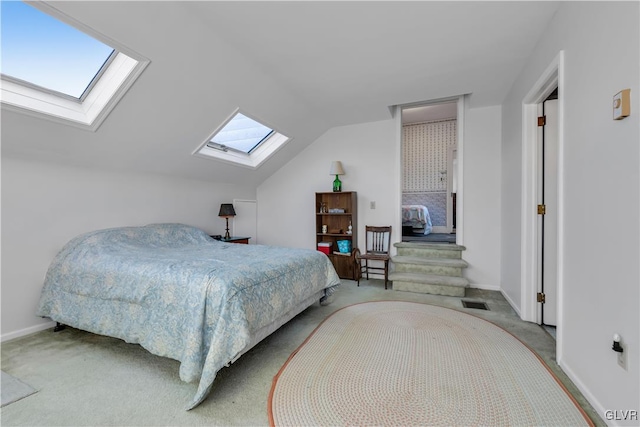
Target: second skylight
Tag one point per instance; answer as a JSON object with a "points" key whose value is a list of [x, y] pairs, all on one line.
{"points": [[242, 133]]}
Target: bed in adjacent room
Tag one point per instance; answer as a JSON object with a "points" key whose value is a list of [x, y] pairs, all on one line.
{"points": [[181, 294], [416, 219]]}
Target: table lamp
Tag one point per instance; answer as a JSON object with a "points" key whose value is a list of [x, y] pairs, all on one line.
{"points": [[336, 169], [227, 211]]}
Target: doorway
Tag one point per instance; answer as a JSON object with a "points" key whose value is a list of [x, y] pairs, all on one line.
{"points": [[429, 145], [548, 218], [245, 222], [452, 188], [530, 309]]}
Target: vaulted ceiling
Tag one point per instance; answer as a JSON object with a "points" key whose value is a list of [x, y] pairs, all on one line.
{"points": [[300, 67]]}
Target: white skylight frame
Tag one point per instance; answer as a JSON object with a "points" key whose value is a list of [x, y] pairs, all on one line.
{"points": [[244, 139], [255, 158], [82, 97], [92, 109]]}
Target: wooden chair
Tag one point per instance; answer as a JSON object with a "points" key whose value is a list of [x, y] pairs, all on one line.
{"points": [[377, 247]]}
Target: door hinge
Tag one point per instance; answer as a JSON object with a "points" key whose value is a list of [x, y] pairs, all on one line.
{"points": [[541, 297], [542, 209], [542, 120]]}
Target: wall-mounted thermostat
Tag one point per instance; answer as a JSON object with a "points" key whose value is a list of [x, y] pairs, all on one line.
{"points": [[621, 104]]}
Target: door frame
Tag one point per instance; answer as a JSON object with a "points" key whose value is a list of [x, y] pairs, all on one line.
{"points": [[548, 223], [553, 76], [397, 113], [248, 220], [451, 169]]}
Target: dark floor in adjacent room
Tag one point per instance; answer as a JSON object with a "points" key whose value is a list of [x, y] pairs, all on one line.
{"points": [[431, 238]]}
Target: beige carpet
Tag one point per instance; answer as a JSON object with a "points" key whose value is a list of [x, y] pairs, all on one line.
{"points": [[403, 363]]}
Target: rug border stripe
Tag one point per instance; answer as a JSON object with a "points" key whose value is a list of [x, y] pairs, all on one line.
{"points": [[542, 362]]}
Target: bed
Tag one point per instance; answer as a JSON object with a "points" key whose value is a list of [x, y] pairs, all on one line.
{"points": [[181, 294], [416, 219]]}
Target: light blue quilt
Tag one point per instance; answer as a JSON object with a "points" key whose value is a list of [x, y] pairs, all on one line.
{"points": [[179, 293]]}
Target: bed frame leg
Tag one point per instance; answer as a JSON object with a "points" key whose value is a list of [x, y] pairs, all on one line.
{"points": [[59, 327]]}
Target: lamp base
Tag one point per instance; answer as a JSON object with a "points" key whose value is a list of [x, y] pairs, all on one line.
{"points": [[337, 185], [227, 235]]}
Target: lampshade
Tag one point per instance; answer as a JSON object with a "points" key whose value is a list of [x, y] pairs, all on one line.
{"points": [[336, 168], [226, 210]]}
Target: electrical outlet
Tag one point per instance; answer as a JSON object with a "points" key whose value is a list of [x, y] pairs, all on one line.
{"points": [[372, 205], [622, 360]]}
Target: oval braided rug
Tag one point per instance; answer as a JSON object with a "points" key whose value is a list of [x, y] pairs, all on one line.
{"points": [[403, 363]]}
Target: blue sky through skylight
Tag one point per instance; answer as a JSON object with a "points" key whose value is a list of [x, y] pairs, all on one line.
{"points": [[39, 49], [242, 133]]}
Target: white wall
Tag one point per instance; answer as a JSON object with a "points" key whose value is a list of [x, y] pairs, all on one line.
{"points": [[370, 155], [601, 276], [45, 205], [286, 201], [482, 216]]}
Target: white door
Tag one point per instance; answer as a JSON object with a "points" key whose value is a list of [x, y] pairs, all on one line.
{"points": [[548, 222], [245, 223]]}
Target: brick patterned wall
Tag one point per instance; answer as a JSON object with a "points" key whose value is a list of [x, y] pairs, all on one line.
{"points": [[424, 155], [424, 159]]}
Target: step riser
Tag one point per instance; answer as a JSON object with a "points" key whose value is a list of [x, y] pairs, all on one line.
{"points": [[431, 278], [428, 269], [430, 253], [425, 288]]}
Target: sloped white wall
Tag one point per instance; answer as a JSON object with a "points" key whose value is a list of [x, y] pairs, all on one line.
{"points": [[286, 201], [601, 174], [45, 205]]}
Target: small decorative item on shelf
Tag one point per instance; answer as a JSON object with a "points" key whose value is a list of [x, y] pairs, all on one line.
{"points": [[323, 207], [336, 210], [336, 169], [350, 229], [344, 246], [324, 229]]}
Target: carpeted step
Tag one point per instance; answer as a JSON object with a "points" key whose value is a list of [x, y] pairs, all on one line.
{"points": [[439, 266], [429, 250], [434, 284]]}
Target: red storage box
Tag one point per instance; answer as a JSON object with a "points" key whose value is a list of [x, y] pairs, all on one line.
{"points": [[325, 247]]}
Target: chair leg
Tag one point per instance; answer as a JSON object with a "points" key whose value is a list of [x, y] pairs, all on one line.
{"points": [[366, 267], [386, 273]]}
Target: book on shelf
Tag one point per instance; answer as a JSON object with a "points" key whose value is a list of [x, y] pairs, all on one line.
{"points": [[342, 253]]}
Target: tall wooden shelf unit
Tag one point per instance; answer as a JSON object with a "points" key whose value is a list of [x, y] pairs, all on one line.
{"points": [[337, 227]]}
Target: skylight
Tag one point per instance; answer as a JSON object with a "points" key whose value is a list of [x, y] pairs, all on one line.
{"points": [[57, 68], [39, 49], [241, 133], [243, 141]]}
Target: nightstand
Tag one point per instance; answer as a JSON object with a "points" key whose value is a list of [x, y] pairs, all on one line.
{"points": [[234, 239]]}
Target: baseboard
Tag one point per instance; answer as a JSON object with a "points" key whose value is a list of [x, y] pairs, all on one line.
{"points": [[511, 303], [586, 393], [484, 287], [27, 331]]}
